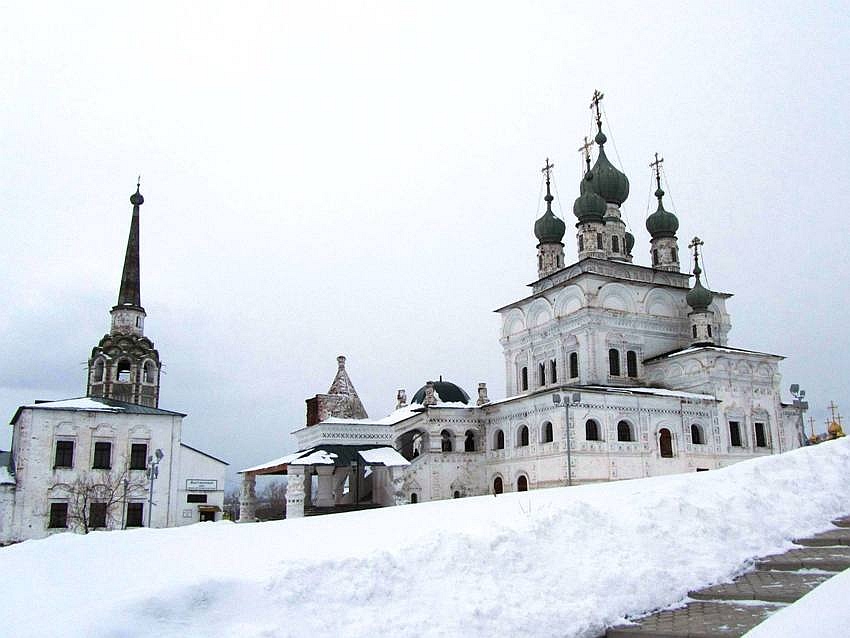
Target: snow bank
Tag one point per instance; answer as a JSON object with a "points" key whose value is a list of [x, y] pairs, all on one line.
{"points": [[822, 612], [565, 561]]}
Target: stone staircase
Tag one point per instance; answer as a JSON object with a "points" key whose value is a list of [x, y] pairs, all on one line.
{"points": [[732, 609]]}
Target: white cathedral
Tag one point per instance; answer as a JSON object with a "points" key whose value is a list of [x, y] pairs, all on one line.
{"points": [[613, 370]]}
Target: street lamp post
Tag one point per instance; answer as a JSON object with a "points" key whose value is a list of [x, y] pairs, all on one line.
{"points": [[152, 472], [575, 398], [801, 405]]}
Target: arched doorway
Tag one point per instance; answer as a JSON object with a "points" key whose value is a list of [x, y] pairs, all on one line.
{"points": [[665, 443], [498, 488], [522, 484]]}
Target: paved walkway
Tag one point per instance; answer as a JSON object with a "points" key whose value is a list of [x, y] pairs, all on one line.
{"points": [[732, 609]]}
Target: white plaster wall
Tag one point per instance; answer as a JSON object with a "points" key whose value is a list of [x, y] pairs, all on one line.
{"points": [[197, 466]]}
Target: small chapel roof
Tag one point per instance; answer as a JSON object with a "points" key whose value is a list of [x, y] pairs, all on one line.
{"points": [[336, 455]]}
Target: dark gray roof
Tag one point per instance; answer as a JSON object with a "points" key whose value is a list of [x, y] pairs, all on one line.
{"points": [[93, 404], [447, 391]]}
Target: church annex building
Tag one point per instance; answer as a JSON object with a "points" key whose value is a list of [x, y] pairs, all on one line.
{"points": [[613, 370]]}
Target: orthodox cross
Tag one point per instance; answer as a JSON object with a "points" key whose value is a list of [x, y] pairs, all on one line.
{"points": [[696, 242], [812, 425], [832, 408], [584, 149], [657, 166], [547, 169], [594, 104]]}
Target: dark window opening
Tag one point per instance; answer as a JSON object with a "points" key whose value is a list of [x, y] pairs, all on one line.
{"points": [[694, 329], [499, 443], [138, 456], [149, 376], [498, 488], [97, 515], [553, 371], [615, 243], [446, 440], [709, 329], [58, 516], [631, 363], [523, 375], [574, 365], [522, 484], [523, 437], [674, 254], [540, 262], [665, 443], [696, 435], [469, 442], [591, 430], [456, 494], [196, 498], [624, 431], [735, 433], [614, 362], [134, 514], [541, 374], [414, 498], [761, 438], [580, 243], [64, 454], [123, 371], [654, 256], [599, 244], [102, 456], [548, 435]]}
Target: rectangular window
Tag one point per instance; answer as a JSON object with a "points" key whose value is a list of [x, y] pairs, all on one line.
{"points": [[580, 243], [709, 330], [58, 515], [735, 433], [64, 454], [761, 438], [102, 455], [553, 371], [196, 498], [97, 515], [138, 456], [134, 514], [631, 363], [599, 242], [694, 330], [541, 374], [574, 365], [614, 362]]}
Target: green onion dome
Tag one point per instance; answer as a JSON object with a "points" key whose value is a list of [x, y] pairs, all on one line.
{"points": [[136, 198], [589, 207], [662, 223], [699, 297], [630, 242], [608, 182], [549, 229]]}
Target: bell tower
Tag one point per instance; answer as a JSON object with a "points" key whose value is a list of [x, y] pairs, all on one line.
{"points": [[125, 365]]}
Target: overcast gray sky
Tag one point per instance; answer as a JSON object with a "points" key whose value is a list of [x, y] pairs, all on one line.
{"points": [[363, 178]]}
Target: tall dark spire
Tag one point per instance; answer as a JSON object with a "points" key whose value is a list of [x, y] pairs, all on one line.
{"points": [[130, 294]]}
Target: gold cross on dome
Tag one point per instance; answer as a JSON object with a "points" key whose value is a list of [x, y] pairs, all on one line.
{"points": [[594, 104], [547, 168], [584, 149]]}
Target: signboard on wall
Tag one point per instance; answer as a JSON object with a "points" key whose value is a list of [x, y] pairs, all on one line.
{"points": [[200, 485]]}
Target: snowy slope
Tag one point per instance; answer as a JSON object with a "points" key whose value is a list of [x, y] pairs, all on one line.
{"points": [[563, 562]]}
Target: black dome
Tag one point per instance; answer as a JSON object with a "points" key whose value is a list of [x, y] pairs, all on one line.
{"points": [[446, 390]]}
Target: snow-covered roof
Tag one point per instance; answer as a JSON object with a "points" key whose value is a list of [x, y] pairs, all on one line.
{"points": [[386, 456], [339, 455], [610, 389], [710, 348], [93, 404]]}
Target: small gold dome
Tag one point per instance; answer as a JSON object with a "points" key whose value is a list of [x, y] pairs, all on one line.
{"points": [[835, 429]]}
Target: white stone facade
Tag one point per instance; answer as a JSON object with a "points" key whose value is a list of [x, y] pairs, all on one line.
{"points": [[87, 451]]}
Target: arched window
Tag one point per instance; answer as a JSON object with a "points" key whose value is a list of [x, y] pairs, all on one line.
{"points": [[624, 431], [98, 371], [523, 379], [541, 374], [553, 371], [615, 244], [631, 363], [709, 329], [522, 437], [665, 443], [574, 365], [414, 498], [696, 435], [149, 372], [499, 440], [497, 485], [694, 330], [469, 441], [122, 371], [591, 430], [546, 435], [522, 484], [446, 440], [614, 362]]}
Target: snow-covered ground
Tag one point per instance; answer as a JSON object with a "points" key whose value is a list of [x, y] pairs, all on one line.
{"points": [[558, 562]]}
